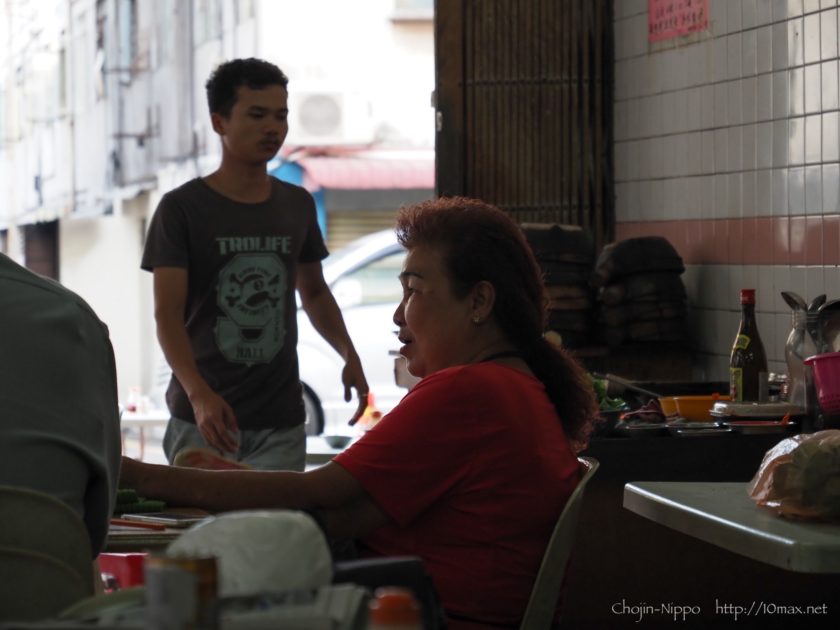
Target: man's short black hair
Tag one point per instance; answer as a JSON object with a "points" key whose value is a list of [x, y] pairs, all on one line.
{"points": [[228, 77]]}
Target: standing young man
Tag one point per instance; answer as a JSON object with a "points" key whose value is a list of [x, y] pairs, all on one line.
{"points": [[227, 252]]}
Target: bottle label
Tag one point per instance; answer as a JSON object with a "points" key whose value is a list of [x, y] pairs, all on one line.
{"points": [[736, 384], [742, 342]]}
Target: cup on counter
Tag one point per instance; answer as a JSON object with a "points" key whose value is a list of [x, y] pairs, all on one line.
{"points": [[827, 380], [181, 592]]}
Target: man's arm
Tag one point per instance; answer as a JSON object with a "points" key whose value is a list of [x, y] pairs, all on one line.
{"points": [[323, 312], [213, 415]]}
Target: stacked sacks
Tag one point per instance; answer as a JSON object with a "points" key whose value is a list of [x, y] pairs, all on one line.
{"points": [[565, 254], [640, 293]]}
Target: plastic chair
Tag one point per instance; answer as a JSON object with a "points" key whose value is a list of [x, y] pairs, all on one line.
{"points": [[542, 604], [45, 556], [36, 586]]}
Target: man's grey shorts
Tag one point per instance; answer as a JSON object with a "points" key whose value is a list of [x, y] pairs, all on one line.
{"points": [[262, 449]]}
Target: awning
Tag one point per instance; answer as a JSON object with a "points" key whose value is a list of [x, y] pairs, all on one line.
{"points": [[40, 214], [368, 173], [372, 179]]}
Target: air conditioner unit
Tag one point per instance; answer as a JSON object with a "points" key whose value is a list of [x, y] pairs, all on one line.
{"points": [[320, 118]]}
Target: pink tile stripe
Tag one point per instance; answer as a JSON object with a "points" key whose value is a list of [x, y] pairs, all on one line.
{"points": [[798, 240]]}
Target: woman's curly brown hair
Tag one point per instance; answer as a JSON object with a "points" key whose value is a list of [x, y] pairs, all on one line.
{"points": [[482, 243]]}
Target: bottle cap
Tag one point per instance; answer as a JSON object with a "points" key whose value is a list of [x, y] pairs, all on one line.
{"points": [[747, 296], [394, 606]]}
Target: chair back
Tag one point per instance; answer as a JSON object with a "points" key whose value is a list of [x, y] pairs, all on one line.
{"points": [[401, 571], [37, 586], [41, 537], [542, 604]]}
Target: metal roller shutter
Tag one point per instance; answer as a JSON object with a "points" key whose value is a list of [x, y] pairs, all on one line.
{"points": [[343, 227]]}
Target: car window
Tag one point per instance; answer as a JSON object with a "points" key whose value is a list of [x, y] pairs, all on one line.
{"points": [[352, 248], [376, 282]]}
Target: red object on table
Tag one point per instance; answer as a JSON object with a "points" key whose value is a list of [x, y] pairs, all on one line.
{"points": [[127, 568]]}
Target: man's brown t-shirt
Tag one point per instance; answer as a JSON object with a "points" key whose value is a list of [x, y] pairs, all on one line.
{"points": [[241, 313]]}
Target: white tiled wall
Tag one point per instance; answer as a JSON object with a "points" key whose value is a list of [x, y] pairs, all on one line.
{"points": [[740, 120]]}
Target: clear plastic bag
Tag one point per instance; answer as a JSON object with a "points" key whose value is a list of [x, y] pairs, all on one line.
{"points": [[799, 478]]}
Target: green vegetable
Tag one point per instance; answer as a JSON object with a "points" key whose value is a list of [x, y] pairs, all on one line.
{"points": [[126, 495], [605, 402]]}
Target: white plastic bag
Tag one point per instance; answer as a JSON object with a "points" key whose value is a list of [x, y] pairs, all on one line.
{"points": [[261, 551], [799, 478]]}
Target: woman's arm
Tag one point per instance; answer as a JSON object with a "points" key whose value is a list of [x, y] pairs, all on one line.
{"points": [[329, 489], [354, 520]]}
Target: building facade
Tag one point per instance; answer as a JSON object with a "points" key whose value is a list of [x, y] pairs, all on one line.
{"points": [[102, 110]]}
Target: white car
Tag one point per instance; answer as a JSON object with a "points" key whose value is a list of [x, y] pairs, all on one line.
{"points": [[364, 278]]}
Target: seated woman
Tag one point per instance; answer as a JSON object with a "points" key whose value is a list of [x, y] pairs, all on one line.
{"points": [[472, 469]]}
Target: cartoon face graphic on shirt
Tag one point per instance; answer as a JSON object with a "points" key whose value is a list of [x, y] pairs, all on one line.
{"points": [[254, 290], [250, 293]]}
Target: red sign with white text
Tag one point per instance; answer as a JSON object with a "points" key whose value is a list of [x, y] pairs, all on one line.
{"points": [[672, 18]]}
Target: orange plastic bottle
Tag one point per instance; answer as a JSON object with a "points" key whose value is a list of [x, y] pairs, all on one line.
{"points": [[394, 608]]}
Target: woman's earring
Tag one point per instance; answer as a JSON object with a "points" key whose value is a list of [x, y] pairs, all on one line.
{"points": [[476, 320]]}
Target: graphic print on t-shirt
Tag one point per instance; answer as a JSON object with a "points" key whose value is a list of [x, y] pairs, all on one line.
{"points": [[250, 292]]}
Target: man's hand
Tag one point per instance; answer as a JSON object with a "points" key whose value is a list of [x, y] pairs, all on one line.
{"points": [[354, 377], [325, 316], [215, 420], [213, 416]]}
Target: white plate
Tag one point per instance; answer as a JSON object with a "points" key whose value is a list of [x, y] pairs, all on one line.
{"points": [[642, 430], [682, 423], [769, 410], [683, 432], [758, 427]]}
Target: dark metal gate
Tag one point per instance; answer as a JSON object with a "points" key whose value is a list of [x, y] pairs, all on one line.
{"points": [[524, 108]]}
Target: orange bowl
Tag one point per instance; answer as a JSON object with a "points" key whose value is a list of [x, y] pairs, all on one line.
{"points": [[669, 405], [696, 408]]}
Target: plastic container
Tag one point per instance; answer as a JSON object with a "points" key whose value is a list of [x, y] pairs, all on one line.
{"points": [[827, 380], [182, 592], [697, 408], [669, 405], [126, 568], [394, 608], [337, 441]]}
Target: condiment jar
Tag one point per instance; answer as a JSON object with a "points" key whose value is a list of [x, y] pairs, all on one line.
{"points": [[394, 608]]}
